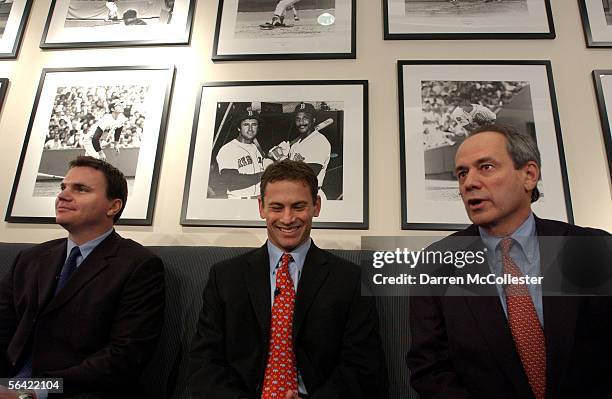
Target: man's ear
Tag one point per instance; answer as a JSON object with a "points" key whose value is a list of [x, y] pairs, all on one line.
{"points": [[261, 207], [532, 175], [317, 206], [115, 207]]}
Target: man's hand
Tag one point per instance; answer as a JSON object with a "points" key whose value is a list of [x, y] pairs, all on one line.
{"points": [[6, 393], [291, 394]]}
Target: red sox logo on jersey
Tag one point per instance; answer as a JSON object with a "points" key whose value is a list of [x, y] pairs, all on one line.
{"points": [[247, 160], [298, 157], [244, 161]]}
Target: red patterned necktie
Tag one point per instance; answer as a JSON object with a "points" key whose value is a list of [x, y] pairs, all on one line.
{"points": [[281, 370], [526, 329]]}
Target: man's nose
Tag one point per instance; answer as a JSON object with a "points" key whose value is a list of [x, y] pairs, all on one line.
{"points": [[471, 180], [287, 216], [64, 195]]}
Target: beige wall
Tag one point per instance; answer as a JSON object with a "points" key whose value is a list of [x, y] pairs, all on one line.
{"points": [[376, 59]]}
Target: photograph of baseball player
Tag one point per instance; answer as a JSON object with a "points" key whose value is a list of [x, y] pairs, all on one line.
{"points": [[253, 135], [104, 122], [242, 127], [127, 22], [452, 109], [116, 114], [468, 19], [597, 22], [235, 171], [281, 19], [284, 29], [443, 102], [13, 15]]}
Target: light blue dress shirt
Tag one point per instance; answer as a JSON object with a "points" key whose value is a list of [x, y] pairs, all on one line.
{"points": [[295, 271], [526, 255]]}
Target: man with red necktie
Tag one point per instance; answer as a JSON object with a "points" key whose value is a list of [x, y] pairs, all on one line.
{"points": [[287, 320], [513, 340]]}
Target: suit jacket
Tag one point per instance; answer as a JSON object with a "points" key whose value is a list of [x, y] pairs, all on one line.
{"points": [[462, 346], [99, 331], [335, 330]]}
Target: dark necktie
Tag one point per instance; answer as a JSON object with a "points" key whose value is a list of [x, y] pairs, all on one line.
{"points": [[525, 326], [281, 370], [69, 267]]}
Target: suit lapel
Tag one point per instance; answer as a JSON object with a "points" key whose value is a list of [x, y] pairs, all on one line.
{"points": [[257, 279], [93, 265], [314, 274], [50, 265], [494, 326], [560, 312]]}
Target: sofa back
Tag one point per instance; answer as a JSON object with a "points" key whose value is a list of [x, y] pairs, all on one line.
{"points": [[187, 271]]}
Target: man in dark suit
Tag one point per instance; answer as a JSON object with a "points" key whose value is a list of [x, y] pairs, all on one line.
{"points": [[89, 308], [287, 320], [513, 340]]}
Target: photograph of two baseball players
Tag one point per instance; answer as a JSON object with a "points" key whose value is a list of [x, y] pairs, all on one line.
{"points": [[250, 136]]}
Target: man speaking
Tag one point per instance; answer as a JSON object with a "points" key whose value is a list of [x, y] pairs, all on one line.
{"points": [[515, 342]]}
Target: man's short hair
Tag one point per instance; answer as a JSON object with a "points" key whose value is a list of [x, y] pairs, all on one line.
{"points": [[292, 171], [116, 184], [521, 147]]}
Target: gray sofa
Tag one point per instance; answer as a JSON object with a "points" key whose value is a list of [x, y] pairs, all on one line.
{"points": [[186, 274]]}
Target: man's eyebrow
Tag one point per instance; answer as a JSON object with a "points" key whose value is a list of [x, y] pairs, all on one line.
{"points": [[76, 185]]}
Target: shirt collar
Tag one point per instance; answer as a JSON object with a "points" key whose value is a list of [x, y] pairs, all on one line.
{"points": [[523, 236], [298, 254], [88, 246]]}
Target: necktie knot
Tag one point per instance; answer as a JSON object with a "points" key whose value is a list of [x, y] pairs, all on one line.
{"points": [[286, 259], [68, 268], [75, 252], [506, 244]]}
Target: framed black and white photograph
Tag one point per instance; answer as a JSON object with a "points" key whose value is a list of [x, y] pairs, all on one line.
{"points": [[467, 19], [440, 102], [117, 114], [603, 86], [597, 22], [13, 17], [284, 29], [240, 128], [111, 23]]}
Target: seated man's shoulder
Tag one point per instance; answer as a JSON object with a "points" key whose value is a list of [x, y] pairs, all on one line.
{"points": [[340, 266], [567, 229], [236, 264], [37, 250]]}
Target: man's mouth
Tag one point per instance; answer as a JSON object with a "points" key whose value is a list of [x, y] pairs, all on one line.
{"points": [[476, 203], [288, 229]]}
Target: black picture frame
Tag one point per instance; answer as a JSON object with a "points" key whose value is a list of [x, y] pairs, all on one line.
{"points": [[604, 115], [426, 168], [4, 83], [15, 27], [206, 202], [30, 203], [286, 45], [597, 32], [471, 30], [178, 26]]}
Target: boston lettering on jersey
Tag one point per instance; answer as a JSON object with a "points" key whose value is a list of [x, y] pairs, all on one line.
{"points": [[247, 160]]}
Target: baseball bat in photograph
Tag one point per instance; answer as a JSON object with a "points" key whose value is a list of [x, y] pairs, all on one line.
{"points": [[324, 124], [320, 126]]}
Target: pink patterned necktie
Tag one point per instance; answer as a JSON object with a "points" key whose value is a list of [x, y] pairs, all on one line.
{"points": [[281, 370], [526, 329]]}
